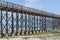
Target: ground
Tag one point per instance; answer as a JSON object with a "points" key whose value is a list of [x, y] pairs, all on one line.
{"points": [[55, 35]]}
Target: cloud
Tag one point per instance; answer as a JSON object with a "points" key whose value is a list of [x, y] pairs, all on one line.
{"points": [[33, 4], [31, 1]]}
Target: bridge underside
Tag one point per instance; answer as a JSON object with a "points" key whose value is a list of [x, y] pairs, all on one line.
{"points": [[19, 22]]}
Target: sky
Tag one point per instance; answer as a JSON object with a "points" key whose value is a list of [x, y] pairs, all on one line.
{"points": [[52, 6]]}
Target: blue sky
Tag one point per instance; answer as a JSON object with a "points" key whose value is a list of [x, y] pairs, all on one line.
{"points": [[52, 6]]}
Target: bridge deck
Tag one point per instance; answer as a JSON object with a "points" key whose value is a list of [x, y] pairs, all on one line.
{"points": [[22, 9]]}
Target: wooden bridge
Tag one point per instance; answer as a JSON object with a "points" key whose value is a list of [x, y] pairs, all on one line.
{"points": [[18, 20]]}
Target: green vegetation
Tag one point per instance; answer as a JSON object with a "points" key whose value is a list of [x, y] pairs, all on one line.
{"points": [[43, 33], [55, 31], [37, 33]]}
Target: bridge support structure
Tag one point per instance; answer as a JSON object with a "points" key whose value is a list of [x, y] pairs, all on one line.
{"points": [[21, 20]]}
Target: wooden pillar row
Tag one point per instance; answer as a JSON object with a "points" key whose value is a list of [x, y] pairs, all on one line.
{"points": [[6, 22], [1, 25]]}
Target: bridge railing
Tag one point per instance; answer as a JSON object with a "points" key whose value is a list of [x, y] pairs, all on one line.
{"points": [[20, 7]]}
